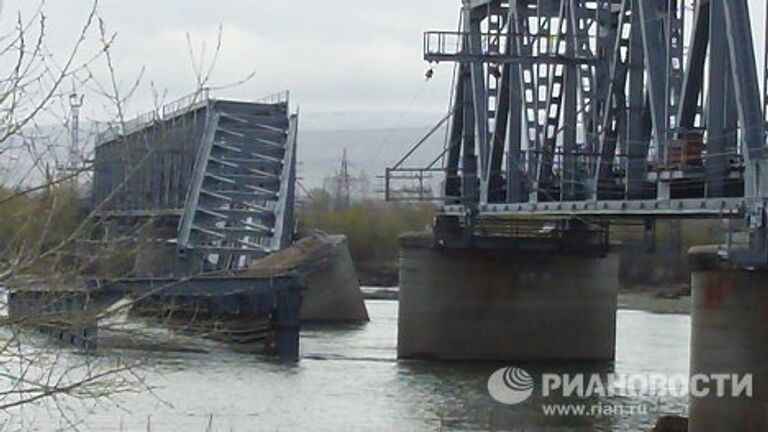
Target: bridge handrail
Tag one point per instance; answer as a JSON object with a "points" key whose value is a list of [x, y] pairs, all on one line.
{"points": [[276, 98], [168, 111], [442, 44]]}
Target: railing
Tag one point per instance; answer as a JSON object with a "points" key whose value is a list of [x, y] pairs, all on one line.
{"points": [[402, 183], [277, 98], [455, 46], [186, 103], [444, 43], [168, 111], [171, 110], [412, 185]]}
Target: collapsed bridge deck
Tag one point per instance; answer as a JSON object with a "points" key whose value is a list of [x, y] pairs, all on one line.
{"points": [[219, 173]]}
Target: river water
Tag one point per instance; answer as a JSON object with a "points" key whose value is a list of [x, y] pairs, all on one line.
{"points": [[349, 380]]}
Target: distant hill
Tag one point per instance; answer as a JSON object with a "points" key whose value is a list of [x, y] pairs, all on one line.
{"points": [[374, 141], [328, 121], [369, 152]]}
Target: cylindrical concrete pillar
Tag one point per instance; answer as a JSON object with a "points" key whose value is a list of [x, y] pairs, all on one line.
{"points": [[500, 305], [729, 337]]}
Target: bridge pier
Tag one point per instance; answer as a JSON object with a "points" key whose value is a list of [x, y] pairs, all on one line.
{"points": [[508, 306], [729, 336]]}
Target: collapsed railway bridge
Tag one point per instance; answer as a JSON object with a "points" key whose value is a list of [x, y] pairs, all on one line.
{"points": [[220, 174], [199, 189]]}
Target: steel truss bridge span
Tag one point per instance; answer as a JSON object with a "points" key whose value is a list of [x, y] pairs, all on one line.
{"points": [[598, 108]]}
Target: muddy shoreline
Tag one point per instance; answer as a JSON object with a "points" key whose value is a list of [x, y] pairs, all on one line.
{"points": [[647, 302], [674, 299], [646, 299]]}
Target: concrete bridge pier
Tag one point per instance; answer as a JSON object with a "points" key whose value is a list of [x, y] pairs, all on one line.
{"points": [[505, 306], [729, 336]]}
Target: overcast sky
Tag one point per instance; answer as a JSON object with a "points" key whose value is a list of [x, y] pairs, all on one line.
{"points": [[335, 56]]}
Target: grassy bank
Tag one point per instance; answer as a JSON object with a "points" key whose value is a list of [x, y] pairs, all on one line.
{"points": [[36, 229]]}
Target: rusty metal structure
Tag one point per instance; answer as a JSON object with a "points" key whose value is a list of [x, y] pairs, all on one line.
{"points": [[584, 111]]}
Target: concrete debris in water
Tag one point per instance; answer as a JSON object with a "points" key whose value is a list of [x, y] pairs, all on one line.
{"points": [[333, 289]]}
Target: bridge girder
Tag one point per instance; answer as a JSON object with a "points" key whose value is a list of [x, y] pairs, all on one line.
{"points": [[597, 101]]}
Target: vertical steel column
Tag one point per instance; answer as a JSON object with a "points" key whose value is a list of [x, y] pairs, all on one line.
{"points": [[540, 45], [553, 104], [719, 116], [614, 103], [605, 40], [496, 182], [746, 86], [765, 71], [524, 47], [675, 23], [515, 164], [747, 90], [583, 22], [637, 139], [693, 88], [652, 22], [497, 106], [605, 44], [472, 21], [470, 192], [285, 224], [452, 178], [570, 169]]}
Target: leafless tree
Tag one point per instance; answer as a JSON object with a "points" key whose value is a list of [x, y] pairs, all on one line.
{"points": [[41, 220]]}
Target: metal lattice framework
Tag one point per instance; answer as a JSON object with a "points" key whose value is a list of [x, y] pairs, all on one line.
{"points": [[240, 201], [605, 108], [221, 173]]}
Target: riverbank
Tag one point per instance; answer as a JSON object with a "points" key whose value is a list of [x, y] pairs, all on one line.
{"points": [[665, 300], [675, 300], [648, 303]]}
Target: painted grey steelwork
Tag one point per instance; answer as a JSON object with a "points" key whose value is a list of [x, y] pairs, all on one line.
{"points": [[71, 313], [576, 108], [224, 170], [216, 180]]}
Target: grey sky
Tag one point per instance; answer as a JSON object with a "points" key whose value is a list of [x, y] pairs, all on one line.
{"points": [[335, 56], [350, 64]]}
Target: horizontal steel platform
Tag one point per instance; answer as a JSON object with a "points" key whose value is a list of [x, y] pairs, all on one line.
{"points": [[677, 208], [71, 312], [204, 286], [198, 285]]}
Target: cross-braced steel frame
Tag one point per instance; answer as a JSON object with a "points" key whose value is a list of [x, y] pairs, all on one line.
{"points": [[605, 108]]}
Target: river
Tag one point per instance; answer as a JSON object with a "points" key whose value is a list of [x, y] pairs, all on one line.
{"points": [[349, 380]]}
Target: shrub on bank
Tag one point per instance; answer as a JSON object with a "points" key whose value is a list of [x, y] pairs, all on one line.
{"points": [[372, 228]]}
